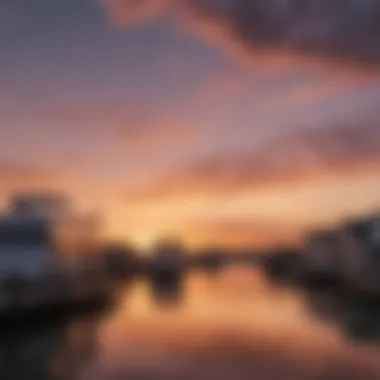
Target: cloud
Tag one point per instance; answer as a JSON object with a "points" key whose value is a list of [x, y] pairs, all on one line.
{"points": [[311, 92], [157, 136], [293, 157], [127, 12], [147, 127], [344, 29], [136, 125], [15, 176], [11, 171], [276, 31], [240, 232]]}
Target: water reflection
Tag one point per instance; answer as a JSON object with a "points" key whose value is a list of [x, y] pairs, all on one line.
{"points": [[168, 294], [229, 326], [356, 320], [49, 351]]}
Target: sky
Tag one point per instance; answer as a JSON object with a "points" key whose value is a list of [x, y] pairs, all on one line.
{"points": [[220, 121]]}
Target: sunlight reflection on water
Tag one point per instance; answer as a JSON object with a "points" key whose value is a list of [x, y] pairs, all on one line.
{"points": [[228, 325]]}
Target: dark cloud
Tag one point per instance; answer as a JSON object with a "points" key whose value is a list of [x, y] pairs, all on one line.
{"points": [[332, 147], [348, 29], [333, 29]]}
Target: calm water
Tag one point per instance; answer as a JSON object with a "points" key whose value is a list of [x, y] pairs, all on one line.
{"points": [[229, 325]]}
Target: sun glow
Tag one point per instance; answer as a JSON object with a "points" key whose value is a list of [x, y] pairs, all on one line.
{"points": [[145, 240]]}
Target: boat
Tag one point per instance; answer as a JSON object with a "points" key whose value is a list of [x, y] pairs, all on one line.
{"points": [[48, 254]]}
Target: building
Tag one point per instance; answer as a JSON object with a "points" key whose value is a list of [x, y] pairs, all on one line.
{"points": [[349, 255], [361, 246], [322, 255]]}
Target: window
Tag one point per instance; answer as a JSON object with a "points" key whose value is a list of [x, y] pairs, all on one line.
{"points": [[23, 235]]}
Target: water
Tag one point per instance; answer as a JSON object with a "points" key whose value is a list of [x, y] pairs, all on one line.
{"points": [[227, 325]]}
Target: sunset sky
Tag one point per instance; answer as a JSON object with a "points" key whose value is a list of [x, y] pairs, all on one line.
{"points": [[229, 121]]}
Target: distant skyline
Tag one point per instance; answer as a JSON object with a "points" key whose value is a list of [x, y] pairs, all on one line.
{"points": [[228, 121]]}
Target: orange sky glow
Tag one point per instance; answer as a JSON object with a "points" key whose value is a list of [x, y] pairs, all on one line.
{"points": [[174, 117]]}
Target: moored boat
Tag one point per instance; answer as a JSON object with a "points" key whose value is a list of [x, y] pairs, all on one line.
{"points": [[48, 255]]}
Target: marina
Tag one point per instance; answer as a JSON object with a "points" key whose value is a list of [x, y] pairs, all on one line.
{"points": [[81, 296], [344, 259], [228, 325], [50, 256], [189, 190]]}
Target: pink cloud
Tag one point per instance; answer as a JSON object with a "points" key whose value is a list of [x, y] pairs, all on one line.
{"points": [[163, 133], [290, 158], [14, 177], [127, 12]]}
